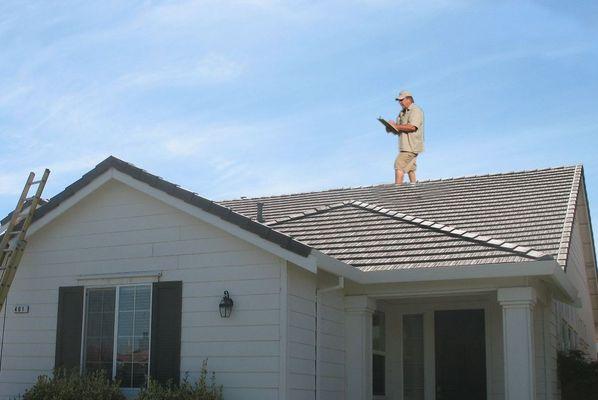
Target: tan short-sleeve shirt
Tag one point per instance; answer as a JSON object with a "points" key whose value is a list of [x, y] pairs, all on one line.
{"points": [[412, 141]]}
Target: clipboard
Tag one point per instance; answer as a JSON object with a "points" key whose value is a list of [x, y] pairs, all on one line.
{"points": [[388, 126]]}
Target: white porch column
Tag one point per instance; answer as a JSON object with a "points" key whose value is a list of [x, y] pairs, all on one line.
{"points": [[518, 342], [358, 347]]}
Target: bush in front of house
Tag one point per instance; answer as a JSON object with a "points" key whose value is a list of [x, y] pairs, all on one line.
{"points": [[200, 390], [70, 385], [578, 375]]}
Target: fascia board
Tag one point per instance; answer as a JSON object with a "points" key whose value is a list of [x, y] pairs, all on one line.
{"points": [[336, 267], [85, 191], [308, 263], [502, 270], [548, 269]]}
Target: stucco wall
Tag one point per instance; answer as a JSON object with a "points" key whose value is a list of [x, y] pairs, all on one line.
{"points": [[118, 229]]}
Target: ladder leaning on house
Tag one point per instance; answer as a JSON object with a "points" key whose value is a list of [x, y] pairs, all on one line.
{"points": [[13, 243]]}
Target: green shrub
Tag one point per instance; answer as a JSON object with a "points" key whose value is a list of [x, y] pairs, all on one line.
{"points": [[70, 385], [199, 390], [578, 375]]}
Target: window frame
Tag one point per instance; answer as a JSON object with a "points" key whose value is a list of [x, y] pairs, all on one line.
{"points": [[382, 353], [115, 329]]}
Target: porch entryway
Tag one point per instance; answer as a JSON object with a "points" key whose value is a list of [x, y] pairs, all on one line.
{"points": [[435, 348], [479, 346]]}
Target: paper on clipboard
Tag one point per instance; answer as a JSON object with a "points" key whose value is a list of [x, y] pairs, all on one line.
{"points": [[388, 126]]}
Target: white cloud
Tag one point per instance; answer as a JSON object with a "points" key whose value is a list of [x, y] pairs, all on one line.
{"points": [[208, 70]]}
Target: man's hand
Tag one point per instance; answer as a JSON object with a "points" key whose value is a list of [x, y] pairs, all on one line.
{"points": [[393, 124]]}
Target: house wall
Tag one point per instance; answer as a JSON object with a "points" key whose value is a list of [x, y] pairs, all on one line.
{"points": [[117, 229], [301, 334], [331, 349], [302, 325], [545, 345], [580, 320], [560, 326]]}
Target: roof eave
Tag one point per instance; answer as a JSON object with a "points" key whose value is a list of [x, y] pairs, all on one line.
{"points": [[547, 270]]}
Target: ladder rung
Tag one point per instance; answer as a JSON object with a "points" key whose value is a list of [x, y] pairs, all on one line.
{"points": [[37, 182]]}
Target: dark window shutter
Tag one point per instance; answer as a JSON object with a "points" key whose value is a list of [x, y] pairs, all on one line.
{"points": [[68, 328], [166, 331]]}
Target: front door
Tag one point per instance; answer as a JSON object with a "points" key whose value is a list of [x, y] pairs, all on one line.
{"points": [[460, 355]]}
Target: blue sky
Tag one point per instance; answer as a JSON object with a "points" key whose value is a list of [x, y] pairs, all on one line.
{"points": [[257, 97]]}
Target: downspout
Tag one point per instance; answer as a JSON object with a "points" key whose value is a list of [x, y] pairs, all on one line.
{"points": [[338, 286]]}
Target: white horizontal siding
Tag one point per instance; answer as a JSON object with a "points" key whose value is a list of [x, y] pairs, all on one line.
{"points": [[331, 346], [301, 334], [581, 319], [117, 229]]}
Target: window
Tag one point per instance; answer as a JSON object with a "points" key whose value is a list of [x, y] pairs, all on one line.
{"points": [[413, 357], [117, 333], [99, 330], [379, 354]]}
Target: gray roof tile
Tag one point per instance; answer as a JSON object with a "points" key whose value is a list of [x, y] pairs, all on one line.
{"points": [[520, 215], [367, 238]]}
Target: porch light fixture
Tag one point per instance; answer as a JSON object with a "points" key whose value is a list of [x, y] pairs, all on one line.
{"points": [[226, 305]]}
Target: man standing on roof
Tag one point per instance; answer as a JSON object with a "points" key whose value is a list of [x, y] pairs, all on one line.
{"points": [[410, 124]]}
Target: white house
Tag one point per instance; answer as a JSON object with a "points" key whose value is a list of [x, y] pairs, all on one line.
{"points": [[451, 289]]}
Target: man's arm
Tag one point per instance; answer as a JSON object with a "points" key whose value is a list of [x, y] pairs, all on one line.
{"points": [[403, 127]]}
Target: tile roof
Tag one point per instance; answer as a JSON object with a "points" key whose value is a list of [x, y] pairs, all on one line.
{"points": [[371, 237], [532, 209]]}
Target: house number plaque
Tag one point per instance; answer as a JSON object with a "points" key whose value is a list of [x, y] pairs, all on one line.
{"points": [[21, 309]]}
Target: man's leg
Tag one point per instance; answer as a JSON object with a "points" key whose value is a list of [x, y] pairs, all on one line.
{"points": [[411, 167], [412, 176], [399, 174]]}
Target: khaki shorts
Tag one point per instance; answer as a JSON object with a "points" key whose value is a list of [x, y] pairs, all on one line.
{"points": [[406, 161]]}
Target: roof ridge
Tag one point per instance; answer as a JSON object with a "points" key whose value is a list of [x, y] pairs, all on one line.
{"points": [[561, 167], [308, 212], [452, 230], [565, 241]]}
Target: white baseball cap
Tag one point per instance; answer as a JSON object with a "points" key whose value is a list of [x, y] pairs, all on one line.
{"points": [[403, 94]]}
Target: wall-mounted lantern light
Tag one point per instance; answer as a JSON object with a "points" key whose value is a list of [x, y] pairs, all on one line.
{"points": [[226, 305]]}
